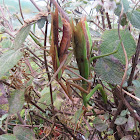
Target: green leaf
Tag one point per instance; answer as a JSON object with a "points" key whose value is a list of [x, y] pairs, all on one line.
{"points": [[7, 137], [45, 98], [136, 83], [5, 43], [77, 116], [8, 60], [21, 36], [41, 23], [16, 101], [94, 33], [58, 102], [134, 18], [137, 88], [125, 5], [23, 133], [3, 117], [111, 42], [120, 120], [118, 9], [124, 112], [130, 124], [137, 92], [99, 124], [109, 70], [124, 20]]}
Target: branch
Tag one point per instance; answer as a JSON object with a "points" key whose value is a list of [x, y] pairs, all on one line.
{"points": [[108, 20], [61, 11], [103, 20], [21, 10], [46, 64], [4, 82], [35, 5], [124, 51], [134, 62]]}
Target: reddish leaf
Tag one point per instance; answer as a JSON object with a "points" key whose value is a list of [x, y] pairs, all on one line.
{"points": [[65, 42], [58, 53], [54, 41], [54, 28], [83, 26]]}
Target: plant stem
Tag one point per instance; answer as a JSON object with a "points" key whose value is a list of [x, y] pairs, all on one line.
{"points": [[46, 64]]}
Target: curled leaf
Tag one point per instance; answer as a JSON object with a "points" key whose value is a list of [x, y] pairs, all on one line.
{"points": [[54, 41], [65, 42]]}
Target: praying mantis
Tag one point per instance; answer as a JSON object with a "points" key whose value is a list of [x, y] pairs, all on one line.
{"points": [[82, 44]]}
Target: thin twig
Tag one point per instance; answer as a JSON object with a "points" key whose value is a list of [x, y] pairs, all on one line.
{"points": [[12, 124], [20, 118], [119, 109], [131, 110], [76, 74], [20, 9], [103, 20], [108, 20], [4, 82], [38, 10], [37, 106], [2, 132], [134, 62], [60, 67], [129, 94], [6, 21], [124, 51], [137, 134], [61, 11], [97, 25], [35, 5], [46, 64], [35, 55], [58, 125], [65, 127]]}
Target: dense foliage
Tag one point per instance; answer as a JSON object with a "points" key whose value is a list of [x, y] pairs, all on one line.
{"points": [[70, 70]]}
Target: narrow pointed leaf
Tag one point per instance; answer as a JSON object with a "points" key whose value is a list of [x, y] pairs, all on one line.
{"points": [[65, 42], [54, 28], [21, 36], [54, 50], [77, 116]]}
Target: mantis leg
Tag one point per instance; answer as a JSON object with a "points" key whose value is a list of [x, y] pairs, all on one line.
{"points": [[68, 83], [100, 56], [82, 89], [65, 89], [89, 95], [98, 86]]}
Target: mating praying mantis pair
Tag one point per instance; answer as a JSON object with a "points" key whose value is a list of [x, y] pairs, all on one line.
{"points": [[82, 45]]}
